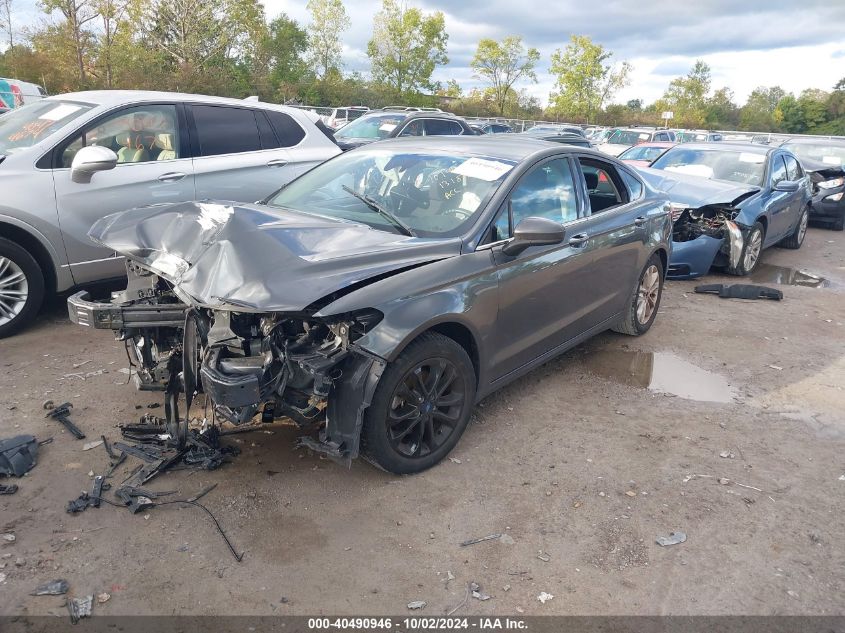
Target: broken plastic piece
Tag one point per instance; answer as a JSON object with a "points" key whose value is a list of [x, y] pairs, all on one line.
{"points": [[61, 413], [79, 608], [741, 291], [17, 455], [52, 588], [417, 604], [8, 490], [674, 538]]}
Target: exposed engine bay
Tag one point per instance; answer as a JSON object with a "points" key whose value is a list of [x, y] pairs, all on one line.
{"points": [[713, 220], [278, 365]]}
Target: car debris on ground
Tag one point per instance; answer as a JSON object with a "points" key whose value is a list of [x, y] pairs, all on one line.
{"points": [[79, 608], [61, 413], [473, 541], [53, 588], [544, 597], [18, 455], [674, 538], [417, 604], [740, 291]]}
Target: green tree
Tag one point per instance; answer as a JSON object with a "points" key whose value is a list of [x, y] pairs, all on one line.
{"points": [[502, 64], [686, 96], [585, 78], [328, 22], [406, 47], [113, 16], [759, 112], [78, 14], [722, 112]]}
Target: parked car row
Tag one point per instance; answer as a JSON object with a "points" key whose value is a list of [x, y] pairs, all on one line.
{"points": [[376, 293]]}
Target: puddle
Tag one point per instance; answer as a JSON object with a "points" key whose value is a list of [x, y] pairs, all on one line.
{"points": [[785, 276], [662, 372]]}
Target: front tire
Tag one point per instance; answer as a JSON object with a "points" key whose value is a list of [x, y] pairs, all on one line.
{"points": [[645, 299], [421, 406], [751, 251], [21, 288], [795, 240]]}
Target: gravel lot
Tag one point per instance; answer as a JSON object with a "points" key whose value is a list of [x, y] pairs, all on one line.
{"points": [[579, 463]]}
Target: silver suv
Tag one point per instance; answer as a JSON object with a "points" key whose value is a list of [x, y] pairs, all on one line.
{"points": [[68, 160]]}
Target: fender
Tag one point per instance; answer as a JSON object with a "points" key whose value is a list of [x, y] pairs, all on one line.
{"points": [[64, 279]]}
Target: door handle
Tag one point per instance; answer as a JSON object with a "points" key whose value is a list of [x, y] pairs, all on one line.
{"points": [[639, 221], [579, 240], [277, 162], [173, 176]]}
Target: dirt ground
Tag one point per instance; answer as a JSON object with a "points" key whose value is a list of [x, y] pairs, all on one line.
{"points": [[580, 464]]}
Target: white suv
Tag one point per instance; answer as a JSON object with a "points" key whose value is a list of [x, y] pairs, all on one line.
{"points": [[68, 160]]}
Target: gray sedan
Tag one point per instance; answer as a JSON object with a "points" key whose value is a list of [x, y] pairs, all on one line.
{"points": [[383, 293]]}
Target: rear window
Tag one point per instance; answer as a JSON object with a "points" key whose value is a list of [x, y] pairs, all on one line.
{"points": [[287, 130], [224, 130]]}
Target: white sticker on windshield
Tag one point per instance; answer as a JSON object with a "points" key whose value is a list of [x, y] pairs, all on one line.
{"points": [[59, 112], [643, 136], [387, 127], [482, 169], [831, 160], [748, 157], [704, 171]]}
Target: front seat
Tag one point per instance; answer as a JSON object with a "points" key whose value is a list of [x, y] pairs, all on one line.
{"points": [[164, 142], [129, 153]]}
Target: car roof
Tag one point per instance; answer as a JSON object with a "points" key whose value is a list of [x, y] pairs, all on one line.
{"points": [[658, 144], [126, 97], [730, 146], [816, 141], [514, 147]]}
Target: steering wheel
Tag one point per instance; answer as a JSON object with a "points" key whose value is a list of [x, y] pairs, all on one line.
{"points": [[461, 214], [408, 197]]}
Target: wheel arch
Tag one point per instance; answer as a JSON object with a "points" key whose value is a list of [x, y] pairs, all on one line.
{"points": [[35, 247]]}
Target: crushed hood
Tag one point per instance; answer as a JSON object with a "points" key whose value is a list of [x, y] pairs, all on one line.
{"points": [[819, 171], [255, 258], [696, 191]]}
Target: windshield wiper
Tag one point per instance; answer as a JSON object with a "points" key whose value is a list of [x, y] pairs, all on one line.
{"points": [[381, 210]]}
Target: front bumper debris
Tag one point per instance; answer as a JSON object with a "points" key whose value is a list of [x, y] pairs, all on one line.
{"points": [[110, 316]]}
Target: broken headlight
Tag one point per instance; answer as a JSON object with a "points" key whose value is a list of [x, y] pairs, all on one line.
{"points": [[831, 184]]}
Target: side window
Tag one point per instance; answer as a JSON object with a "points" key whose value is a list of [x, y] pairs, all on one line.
{"points": [[414, 128], [288, 131], [547, 191], [778, 170], [660, 136], [442, 127], [139, 134], [793, 169], [224, 130], [604, 187], [635, 187]]}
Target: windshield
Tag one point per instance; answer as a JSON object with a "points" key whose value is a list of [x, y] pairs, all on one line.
{"points": [[26, 126], [432, 194], [827, 154], [718, 164], [690, 137], [642, 152], [627, 137], [373, 126]]}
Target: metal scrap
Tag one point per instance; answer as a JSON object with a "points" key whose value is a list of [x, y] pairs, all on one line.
{"points": [[8, 489], [674, 538], [473, 541]]}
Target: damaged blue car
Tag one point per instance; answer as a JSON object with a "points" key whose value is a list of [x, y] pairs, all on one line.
{"points": [[729, 202]]}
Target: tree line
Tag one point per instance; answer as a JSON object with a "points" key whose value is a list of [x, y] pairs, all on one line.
{"points": [[229, 48]]}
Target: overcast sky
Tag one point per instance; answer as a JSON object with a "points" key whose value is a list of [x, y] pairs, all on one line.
{"points": [[796, 44]]}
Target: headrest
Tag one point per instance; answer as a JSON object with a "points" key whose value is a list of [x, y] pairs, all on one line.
{"points": [[164, 141], [591, 179], [124, 138]]}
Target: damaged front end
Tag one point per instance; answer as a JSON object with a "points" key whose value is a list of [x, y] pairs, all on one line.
{"points": [[705, 237]]}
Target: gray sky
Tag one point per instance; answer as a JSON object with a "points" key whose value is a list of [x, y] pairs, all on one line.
{"points": [[793, 44], [747, 43]]}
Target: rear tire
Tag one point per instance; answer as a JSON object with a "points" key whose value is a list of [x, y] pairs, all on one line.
{"points": [[752, 249], [645, 299], [21, 288], [421, 406], [795, 240]]}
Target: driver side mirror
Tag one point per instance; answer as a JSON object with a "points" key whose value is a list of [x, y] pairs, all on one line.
{"points": [[534, 232], [89, 160], [789, 186]]}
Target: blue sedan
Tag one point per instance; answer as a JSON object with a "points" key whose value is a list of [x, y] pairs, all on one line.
{"points": [[729, 202]]}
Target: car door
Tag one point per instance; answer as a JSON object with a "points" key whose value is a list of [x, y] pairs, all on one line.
{"points": [[236, 154], [287, 134], [778, 204], [800, 198], [546, 293], [154, 167], [616, 232]]}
